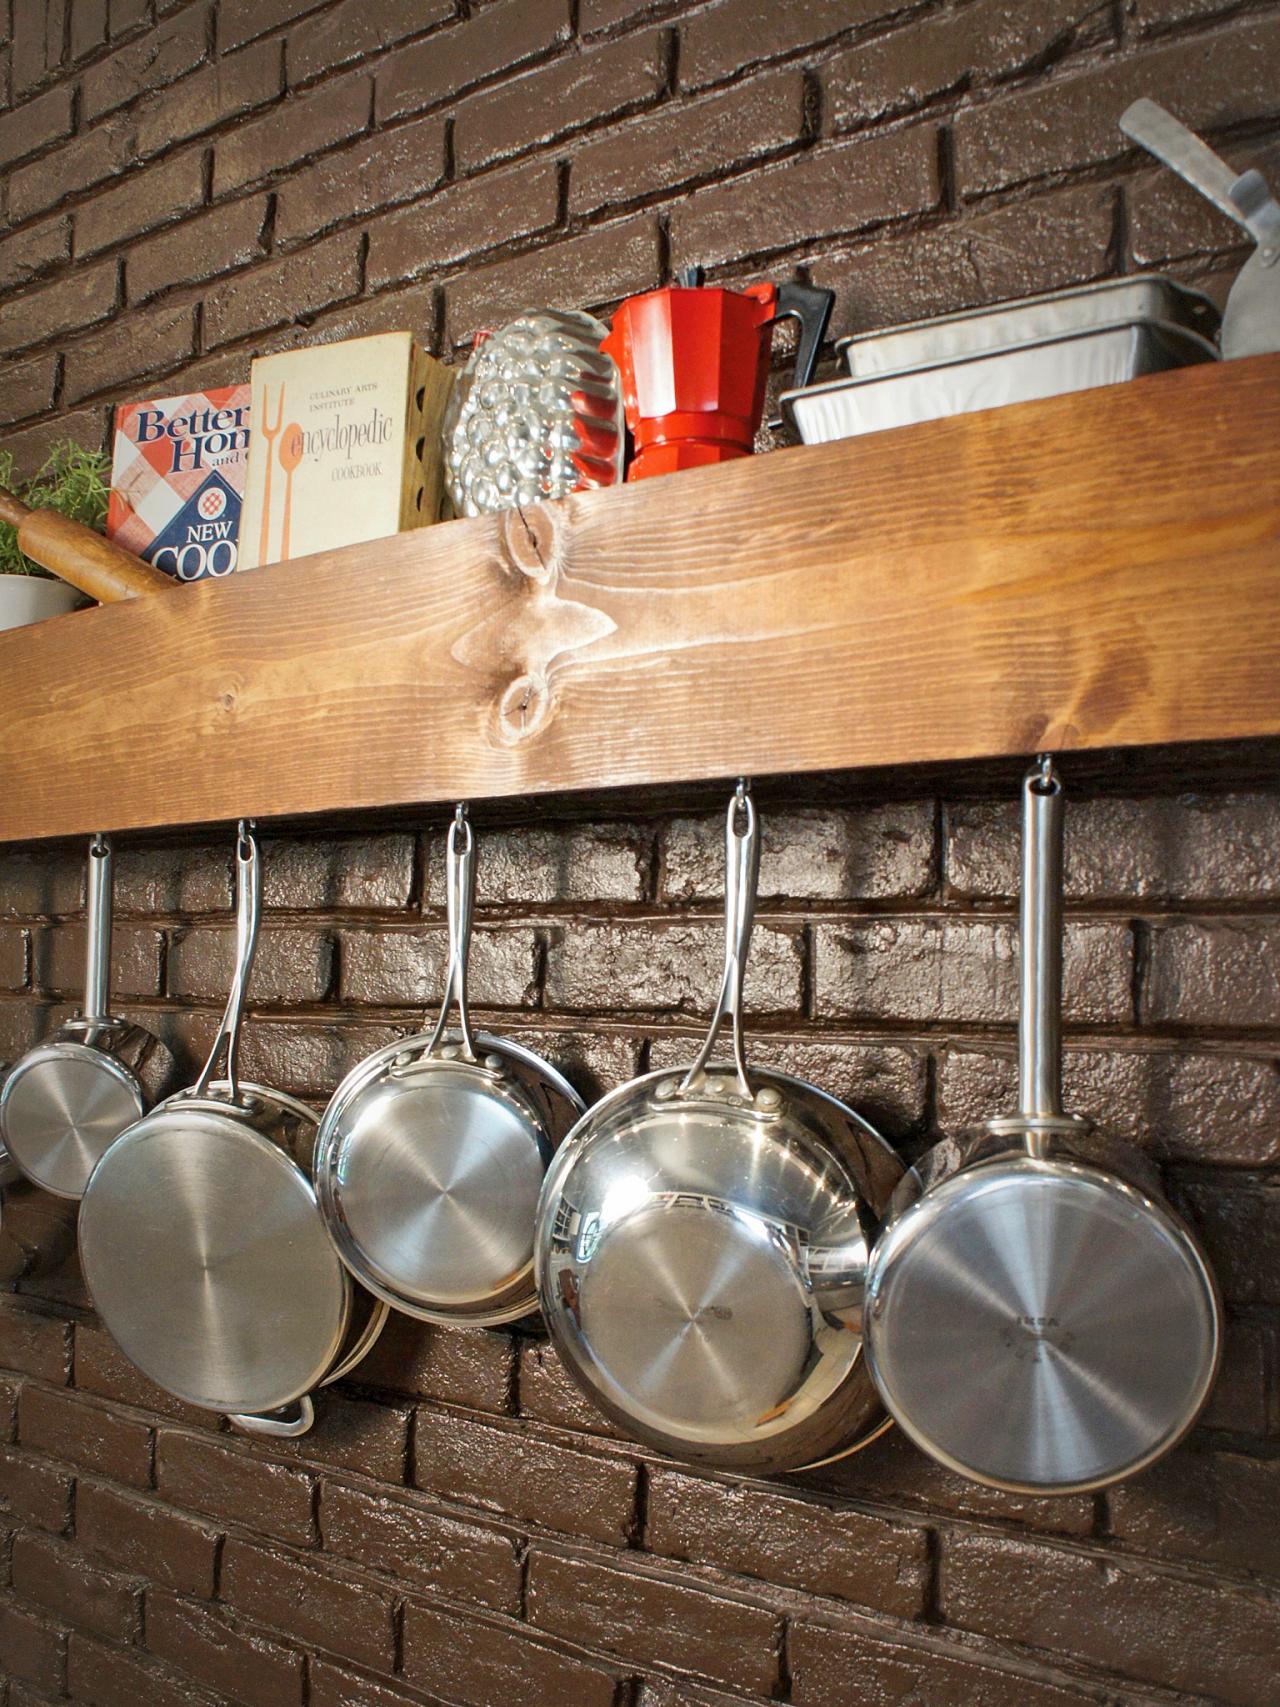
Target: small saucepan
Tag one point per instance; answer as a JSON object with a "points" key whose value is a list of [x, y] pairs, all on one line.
{"points": [[66, 1100], [432, 1152], [202, 1244], [1038, 1316], [702, 1240]]}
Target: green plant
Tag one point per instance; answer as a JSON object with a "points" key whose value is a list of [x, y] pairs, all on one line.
{"points": [[73, 481]]}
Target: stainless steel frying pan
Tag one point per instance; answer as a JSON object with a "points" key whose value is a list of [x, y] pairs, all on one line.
{"points": [[66, 1100], [202, 1244], [702, 1241], [432, 1152], [1038, 1317]]}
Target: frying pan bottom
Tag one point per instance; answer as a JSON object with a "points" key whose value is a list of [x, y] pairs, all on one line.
{"points": [[62, 1108]]}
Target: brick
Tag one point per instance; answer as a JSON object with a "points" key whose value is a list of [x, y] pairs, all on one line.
{"points": [[88, 1435], [845, 187], [88, 27], [498, 40], [805, 1544], [1070, 121], [32, 445], [101, 1676], [670, 968], [490, 1663], [158, 340], [38, 249], [31, 1647], [848, 1668], [874, 854], [400, 165], [13, 958], [102, 1368], [200, 248], [597, 15], [357, 29], [40, 882], [58, 963], [35, 1344], [687, 142], [334, 1613], [126, 15], [78, 164], [1045, 243], [141, 201], [414, 308], [37, 41], [423, 1546], [38, 1235], [352, 1434], [1240, 1227], [236, 84], [308, 1060], [962, 969], [589, 271], [35, 1491], [1238, 1401], [154, 60], [299, 129], [291, 965], [536, 866], [54, 1575], [35, 124], [364, 872], [84, 297], [170, 1549], [592, 1062], [1157, 1629], [174, 880], [1211, 1507], [1223, 972], [554, 100], [1182, 1107], [986, 43], [335, 1686], [232, 1487], [464, 219], [237, 1663], [386, 968], [459, 1365], [240, 21], [549, 1394], [1189, 847], [720, 40], [643, 1618], [1169, 221], [282, 291], [530, 1479], [9, 1390]]}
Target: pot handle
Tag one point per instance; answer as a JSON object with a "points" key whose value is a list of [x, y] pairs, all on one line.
{"points": [[1040, 944], [248, 909], [97, 954], [274, 1424], [460, 857], [810, 306], [742, 866]]}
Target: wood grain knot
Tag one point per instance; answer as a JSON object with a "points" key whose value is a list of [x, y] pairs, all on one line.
{"points": [[529, 542], [524, 709]]}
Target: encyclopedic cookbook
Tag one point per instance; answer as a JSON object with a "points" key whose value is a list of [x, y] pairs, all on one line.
{"points": [[345, 445], [177, 481]]}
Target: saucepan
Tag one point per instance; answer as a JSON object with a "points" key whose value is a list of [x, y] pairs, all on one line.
{"points": [[1038, 1316], [66, 1100], [203, 1246], [432, 1152], [702, 1242]]}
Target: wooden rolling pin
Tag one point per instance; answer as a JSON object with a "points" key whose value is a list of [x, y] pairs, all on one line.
{"points": [[77, 554]]}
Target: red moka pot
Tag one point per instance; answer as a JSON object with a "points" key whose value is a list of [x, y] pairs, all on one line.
{"points": [[694, 364]]}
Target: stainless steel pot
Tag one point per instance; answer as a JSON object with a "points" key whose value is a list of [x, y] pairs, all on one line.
{"points": [[431, 1154], [202, 1244], [1038, 1317], [66, 1100], [702, 1240]]}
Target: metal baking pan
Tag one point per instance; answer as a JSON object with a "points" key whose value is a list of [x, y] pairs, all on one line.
{"points": [[1031, 320], [844, 408]]}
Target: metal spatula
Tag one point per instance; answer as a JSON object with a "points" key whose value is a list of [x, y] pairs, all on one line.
{"points": [[1251, 320]]}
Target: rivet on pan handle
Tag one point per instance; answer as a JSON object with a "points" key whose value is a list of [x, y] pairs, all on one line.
{"points": [[1040, 957], [97, 956], [742, 866], [460, 851], [248, 909]]}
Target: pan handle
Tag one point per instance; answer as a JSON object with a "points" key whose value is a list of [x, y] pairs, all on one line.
{"points": [[248, 909], [742, 866], [1040, 936], [97, 956], [460, 861], [274, 1424]]}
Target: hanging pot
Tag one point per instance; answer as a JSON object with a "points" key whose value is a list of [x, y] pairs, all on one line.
{"points": [[432, 1152], [1038, 1316], [202, 1244], [702, 1240], [66, 1100]]}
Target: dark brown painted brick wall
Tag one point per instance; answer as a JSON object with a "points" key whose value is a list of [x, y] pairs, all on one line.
{"points": [[186, 184]]}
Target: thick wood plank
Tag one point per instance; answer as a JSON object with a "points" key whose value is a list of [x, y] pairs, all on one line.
{"points": [[1094, 570]]}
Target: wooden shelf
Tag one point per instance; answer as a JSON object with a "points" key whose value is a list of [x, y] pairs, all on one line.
{"points": [[1094, 570]]}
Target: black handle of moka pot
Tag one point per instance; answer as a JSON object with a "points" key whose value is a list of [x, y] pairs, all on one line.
{"points": [[811, 307]]}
